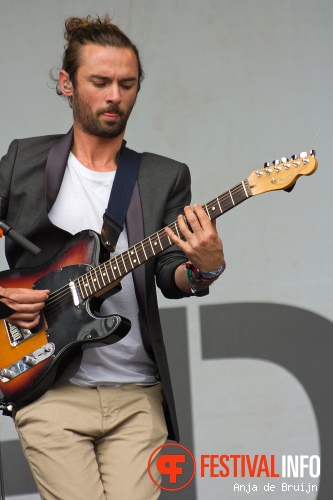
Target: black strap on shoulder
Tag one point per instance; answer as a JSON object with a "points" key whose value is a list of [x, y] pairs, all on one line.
{"points": [[120, 197], [5, 311]]}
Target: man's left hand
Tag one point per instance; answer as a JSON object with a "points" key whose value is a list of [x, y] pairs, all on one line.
{"points": [[202, 244]]}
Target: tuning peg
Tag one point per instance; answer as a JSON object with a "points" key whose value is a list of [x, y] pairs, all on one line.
{"points": [[296, 161], [304, 154], [277, 166], [267, 168], [284, 159], [312, 152]]}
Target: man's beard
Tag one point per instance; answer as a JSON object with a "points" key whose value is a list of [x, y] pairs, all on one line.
{"points": [[89, 121]]}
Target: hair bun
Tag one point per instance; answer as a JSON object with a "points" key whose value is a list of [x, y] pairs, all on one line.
{"points": [[73, 25]]}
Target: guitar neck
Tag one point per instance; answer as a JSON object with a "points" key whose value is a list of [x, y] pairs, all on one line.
{"points": [[113, 270]]}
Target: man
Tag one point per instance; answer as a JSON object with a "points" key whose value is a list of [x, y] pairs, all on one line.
{"points": [[91, 436]]}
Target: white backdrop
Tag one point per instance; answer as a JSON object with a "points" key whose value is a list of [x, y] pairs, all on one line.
{"points": [[229, 85]]}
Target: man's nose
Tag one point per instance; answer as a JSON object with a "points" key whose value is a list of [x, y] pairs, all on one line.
{"points": [[113, 94]]}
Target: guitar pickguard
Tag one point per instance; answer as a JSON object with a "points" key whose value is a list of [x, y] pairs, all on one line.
{"points": [[31, 361]]}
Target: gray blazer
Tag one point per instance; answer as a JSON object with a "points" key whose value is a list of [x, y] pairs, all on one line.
{"points": [[30, 177]]}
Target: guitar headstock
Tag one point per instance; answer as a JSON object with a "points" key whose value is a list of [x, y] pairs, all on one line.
{"points": [[282, 174]]}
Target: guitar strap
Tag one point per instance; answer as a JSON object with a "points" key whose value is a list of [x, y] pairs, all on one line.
{"points": [[114, 217]]}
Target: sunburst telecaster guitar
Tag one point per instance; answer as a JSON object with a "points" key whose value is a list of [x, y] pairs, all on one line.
{"points": [[31, 361]]}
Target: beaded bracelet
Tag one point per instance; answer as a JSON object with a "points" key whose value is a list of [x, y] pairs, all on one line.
{"points": [[197, 277]]}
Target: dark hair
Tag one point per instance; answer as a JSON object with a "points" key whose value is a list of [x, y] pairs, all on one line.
{"points": [[80, 31]]}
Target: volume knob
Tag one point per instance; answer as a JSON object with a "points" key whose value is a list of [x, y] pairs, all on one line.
{"points": [[7, 373], [29, 360]]}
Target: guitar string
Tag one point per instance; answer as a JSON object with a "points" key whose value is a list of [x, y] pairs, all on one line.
{"points": [[315, 137], [146, 245], [63, 294], [58, 298], [141, 249]]}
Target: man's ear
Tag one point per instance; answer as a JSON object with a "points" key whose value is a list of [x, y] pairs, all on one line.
{"points": [[65, 83]]}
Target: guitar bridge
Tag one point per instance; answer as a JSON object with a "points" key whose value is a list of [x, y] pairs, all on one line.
{"points": [[17, 335]]}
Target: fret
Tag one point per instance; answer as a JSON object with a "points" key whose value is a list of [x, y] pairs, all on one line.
{"points": [[97, 279], [245, 190], [140, 253], [156, 243], [136, 253], [94, 279], [124, 263], [207, 211], [109, 263], [143, 248], [226, 202], [116, 268], [128, 260], [218, 201], [150, 248], [159, 241], [176, 226], [128, 254], [165, 239], [165, 236], [231, 198], [151, 245], [104, 273], [78, 284], [238, 193], [87, 288], [214, 209]]}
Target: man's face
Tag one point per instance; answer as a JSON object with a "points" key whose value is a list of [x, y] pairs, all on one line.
{"points": [[105, 90]]}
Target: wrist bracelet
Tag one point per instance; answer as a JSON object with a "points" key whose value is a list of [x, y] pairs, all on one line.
{"points": [[196, 277], [214, 274]]}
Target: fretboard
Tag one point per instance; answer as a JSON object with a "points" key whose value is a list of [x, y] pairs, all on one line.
{"points": [[116, 268]]}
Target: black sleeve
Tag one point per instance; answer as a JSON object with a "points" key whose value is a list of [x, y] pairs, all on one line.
{"points": [[171, 258], [5, 311]]}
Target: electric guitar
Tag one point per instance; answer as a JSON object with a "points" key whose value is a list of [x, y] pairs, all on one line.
{"points": [[32, 360]]}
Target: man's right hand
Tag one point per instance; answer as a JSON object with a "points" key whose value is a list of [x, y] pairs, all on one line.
{"points": [[26, 303]]}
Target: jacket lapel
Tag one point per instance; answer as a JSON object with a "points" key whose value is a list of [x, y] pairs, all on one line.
{"points": [[55, 167]]}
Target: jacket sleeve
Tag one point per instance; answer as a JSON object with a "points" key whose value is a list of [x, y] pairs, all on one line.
{"points": [[170, 259], [6, 169]]}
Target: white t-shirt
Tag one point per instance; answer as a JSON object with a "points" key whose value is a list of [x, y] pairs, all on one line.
{"points": [[81, 203]]}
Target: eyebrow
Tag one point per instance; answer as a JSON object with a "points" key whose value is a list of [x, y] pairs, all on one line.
{"points": [[108, 79]]}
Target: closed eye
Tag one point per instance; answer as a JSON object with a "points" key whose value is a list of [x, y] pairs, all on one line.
{"points": [[98, 84], [127, 86]]}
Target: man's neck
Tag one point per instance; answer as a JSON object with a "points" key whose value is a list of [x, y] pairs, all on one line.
{"points": [[96, 153]]}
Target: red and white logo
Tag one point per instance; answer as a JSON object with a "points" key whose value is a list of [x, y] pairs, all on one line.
{"points": [[174, 463]]}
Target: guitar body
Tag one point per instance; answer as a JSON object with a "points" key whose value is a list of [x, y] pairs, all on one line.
{"points": [[30, 362]]}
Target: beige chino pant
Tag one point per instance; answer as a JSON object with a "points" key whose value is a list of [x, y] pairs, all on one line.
{"points": [[93, 443]]}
